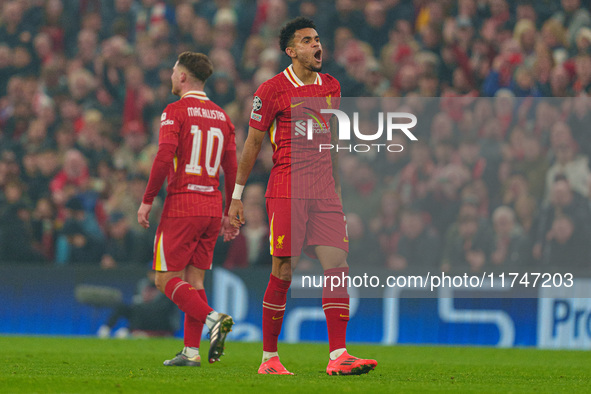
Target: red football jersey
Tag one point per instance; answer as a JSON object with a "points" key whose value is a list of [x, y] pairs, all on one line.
{"points": [[299, 170], [202, 134]]}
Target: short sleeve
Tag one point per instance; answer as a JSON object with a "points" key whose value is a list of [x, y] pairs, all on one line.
{"points": [[170, 126], [337, 94], [264, 107]]}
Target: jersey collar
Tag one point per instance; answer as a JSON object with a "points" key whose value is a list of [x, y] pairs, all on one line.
{"points": [[195, 94], [295, 81]]}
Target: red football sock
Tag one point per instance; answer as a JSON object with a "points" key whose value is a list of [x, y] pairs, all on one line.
{"points": [[273, 310], [335, 302], [187, 298], [193, 327]]}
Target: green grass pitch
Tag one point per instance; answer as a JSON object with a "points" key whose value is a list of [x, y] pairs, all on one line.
{"points": [[89, 365]]}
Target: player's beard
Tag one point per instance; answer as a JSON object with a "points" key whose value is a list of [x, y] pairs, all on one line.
{"points": [[313, 67]]}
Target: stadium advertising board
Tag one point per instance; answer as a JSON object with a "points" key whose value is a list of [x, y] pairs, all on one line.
{"points": [[547, 319]]}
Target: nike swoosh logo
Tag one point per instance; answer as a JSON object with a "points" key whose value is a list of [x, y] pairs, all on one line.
{"points": [[277, 318], [345, 239], [295, 105], [344, 315]]}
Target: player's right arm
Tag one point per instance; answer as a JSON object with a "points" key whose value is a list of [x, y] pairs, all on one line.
{"points": [[158, 173], [264, 112], [250, 152], [167, 145]]}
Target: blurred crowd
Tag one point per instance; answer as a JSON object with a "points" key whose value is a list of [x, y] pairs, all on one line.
{"points": [[499, 179]]}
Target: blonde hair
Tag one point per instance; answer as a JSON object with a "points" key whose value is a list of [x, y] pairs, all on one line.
{"points": [[521, 27], [556, 29]]}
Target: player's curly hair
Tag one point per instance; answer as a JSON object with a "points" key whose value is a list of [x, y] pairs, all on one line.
{"points": [[288, 31], [197, 64]]}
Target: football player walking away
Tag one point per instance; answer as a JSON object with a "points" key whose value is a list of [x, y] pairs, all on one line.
{"points": [[196, 138]]}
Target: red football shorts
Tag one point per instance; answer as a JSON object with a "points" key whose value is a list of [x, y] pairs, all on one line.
{"points": [[297, 224], [185, 241]]}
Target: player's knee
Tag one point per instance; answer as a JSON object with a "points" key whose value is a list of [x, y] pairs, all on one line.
{"points": [[285, 275], [160, 281], [342, 264], [282, 268]]}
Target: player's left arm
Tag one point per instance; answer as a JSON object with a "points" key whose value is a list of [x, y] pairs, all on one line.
{"points": [[334, 140]]}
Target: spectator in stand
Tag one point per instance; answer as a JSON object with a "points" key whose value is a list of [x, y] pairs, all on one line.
{"points": [[82, 87], [579, 118], [254, 193], [346, 14], [185, 19], [443, 200], [375, 28], [565, 249], [91, 141], [72, 75], [364, 248], [150, 313], [17, 244], [418, 246], [468, 244], [71, 179], [251, 247], [582, 83], [478, 166], [122, 20], [150, 17], [43, 48], [525, 34], [14, 31], [134, 141], [87, 49], [201, 35], [560, 82], [563, 201], [555, 40], [574, 167], [516, 186], [6, 67], [385, 225], [584, 41], [533, 164], [525, 212], [43, 225], [511, 244], [74, 245], [413, 184], [572, 17], [122, 244], [363, 191]]}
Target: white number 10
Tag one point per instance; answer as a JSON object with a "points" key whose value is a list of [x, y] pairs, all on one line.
{"points": [[193, 167]]}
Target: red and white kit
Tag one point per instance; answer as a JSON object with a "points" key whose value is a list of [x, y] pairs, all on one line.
{"points": [[302, 204], [199, 138]]}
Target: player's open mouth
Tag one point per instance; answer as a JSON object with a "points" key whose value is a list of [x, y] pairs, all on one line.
{"points": [[318, 55]]}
